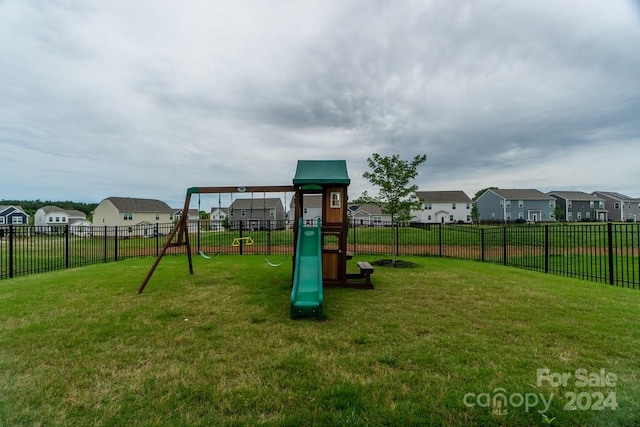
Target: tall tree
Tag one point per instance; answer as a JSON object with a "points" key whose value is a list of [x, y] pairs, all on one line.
{"points": [[392, 175], [481, 192]]}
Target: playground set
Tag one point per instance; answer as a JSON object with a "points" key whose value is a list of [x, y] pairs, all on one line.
{"points": [[320, 250]]}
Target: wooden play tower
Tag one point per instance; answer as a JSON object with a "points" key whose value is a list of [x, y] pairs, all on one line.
{"points": [[330, 179]]}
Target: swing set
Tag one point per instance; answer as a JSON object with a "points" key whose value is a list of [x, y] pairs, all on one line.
{"points": [[179, 236]]}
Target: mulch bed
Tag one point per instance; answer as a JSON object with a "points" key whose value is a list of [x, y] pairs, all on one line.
{"points": [[397, 264]]}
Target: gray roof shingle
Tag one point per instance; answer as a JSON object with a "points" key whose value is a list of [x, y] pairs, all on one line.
{"points": [[521, 194], [131, 204], [443, 196]]}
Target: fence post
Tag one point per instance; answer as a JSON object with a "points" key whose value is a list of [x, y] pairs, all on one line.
{"points": [[353, 221], [268, 237], [115, 244], [504, 244], [546, 248], [397, 238], [482, 243], [610, 238], [440, 239], [157, 235], [198, 235], [66, 246], [10, 251], [104, 235]]}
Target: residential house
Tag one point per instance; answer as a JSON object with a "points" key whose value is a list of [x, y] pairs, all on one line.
{"points": [[192, 215], [443, 207], [368, 215], [515, 205], [218, 217], [259, 213], [139, 216], [312, 209], [579, 206], [12, 215], [49, 218], [620, 206]]}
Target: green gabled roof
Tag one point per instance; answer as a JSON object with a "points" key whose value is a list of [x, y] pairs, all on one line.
{"points": [[322, 172]]}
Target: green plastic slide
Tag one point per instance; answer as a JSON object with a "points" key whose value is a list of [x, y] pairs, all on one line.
{"points": [[306, 294]]}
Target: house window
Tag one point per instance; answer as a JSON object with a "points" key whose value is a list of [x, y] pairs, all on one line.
{"points": [[570, 216], [50, 219], [520, 203], [57, 219], [579, 216], [493, 215], [305, 210], [616, 205], [508, 216], [601, 204], [243, 212], [569, 204], [453, 205], [64, 219], [468, 218], [588, 215], [520, 215], [271, 213], [16, 220], [157, 217], [127, 216], [335, 199], [428, 217], [468, 205], [427, 206], [377, 220], [170, 217], [552, 204], [591, 204]]}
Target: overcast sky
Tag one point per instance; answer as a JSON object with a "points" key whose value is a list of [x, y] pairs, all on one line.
{"points": [[146, 98]]}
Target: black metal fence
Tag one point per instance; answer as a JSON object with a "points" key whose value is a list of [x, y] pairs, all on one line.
{"points": [[601, 252]]}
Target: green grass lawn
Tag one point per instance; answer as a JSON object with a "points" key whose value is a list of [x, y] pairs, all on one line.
{"points": [[431, 345]]}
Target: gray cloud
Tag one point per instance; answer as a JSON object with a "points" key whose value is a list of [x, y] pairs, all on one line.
{"points": [[148, 98]]}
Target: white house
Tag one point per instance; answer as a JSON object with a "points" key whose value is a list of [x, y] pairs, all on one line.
{"points": [[443, 207], [218, 217], [312, 209], [48, 218], [368, 215]]}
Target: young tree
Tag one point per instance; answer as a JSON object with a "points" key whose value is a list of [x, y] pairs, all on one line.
{"points": [[475, 213], [558, 213], [393, 175], [396, 197]]}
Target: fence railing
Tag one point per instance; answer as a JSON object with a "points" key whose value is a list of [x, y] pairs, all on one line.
{"points": [[601, 252]]}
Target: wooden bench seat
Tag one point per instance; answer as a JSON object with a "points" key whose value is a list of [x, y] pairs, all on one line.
{"points": [[366, 270]]}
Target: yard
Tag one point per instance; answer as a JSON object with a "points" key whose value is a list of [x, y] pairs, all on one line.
{"points": [[440, 344]]}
